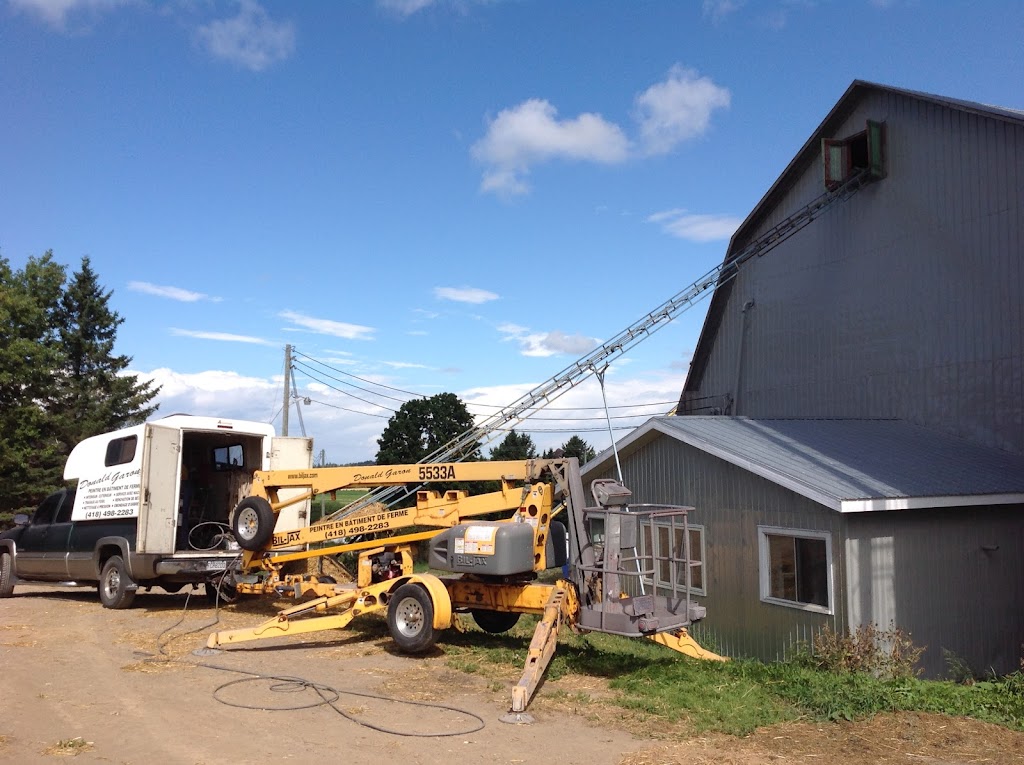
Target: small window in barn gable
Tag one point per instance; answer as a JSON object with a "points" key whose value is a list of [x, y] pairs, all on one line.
{"points": [[847, 157], [670, 544], [796, 568]]}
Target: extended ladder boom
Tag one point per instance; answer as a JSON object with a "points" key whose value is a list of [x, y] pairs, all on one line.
{"points": [[577, 372]]}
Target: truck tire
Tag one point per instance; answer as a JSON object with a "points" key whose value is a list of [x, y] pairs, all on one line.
{"points": [[411, 618], [6, 575], [494, 622], [117, 590], [253, 523]]}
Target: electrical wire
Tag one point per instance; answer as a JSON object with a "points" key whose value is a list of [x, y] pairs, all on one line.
{"points": [[313, 376], [598, 418], [413, 395], [328, 695]]}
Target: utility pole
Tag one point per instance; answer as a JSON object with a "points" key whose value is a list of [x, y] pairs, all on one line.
{"points": [[287, 389]]}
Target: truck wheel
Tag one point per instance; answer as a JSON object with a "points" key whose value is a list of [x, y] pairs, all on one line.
{"points": [[6, 575], [494, 622], [117, 590], [253, 523], [411, 618]]}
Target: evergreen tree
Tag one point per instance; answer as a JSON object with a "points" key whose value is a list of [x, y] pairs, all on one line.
{"points": [[30, 455], [574, 447], [421, 426], [92, 393], [515, 446]]}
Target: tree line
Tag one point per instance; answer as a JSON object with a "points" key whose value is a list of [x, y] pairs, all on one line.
{"points": [[61, 382], [60, 379], [422, 426]]}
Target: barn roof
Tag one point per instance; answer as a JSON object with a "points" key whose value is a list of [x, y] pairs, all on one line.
{"points": [[809, 154], [849, 465]]}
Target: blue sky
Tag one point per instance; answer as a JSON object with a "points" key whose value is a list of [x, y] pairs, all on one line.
{"points": [[429, 195]]}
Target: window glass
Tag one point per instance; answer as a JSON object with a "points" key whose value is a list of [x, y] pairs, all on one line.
{"points": [[121, 450], [64, 514], [227, 457], [795, 567], [46, 511]]}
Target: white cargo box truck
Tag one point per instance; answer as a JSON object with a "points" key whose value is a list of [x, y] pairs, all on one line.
{"points": [[151, 506]]}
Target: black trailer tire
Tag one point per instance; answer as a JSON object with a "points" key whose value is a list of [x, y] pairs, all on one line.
{"points": [[495, 622], [253, 523], [6, 575], [117, 590], [220, 594], [411, 619]]}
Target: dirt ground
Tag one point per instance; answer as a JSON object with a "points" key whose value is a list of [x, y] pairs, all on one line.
{"points": [[126, 687]]}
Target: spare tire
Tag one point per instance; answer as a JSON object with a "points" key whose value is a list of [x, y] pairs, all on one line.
{"points": [[253, 523]]}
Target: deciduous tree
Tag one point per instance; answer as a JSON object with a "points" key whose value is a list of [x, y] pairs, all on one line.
{"points": [[421, 426]]}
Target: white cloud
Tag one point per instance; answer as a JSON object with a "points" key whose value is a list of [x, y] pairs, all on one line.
{"points": [[405, 8], [718, 10], [543, 344], [220, 336], [696, 228], [251, 39], [328, 327], [56, 12], [173, 293], [677, 109], [348, 429], [464, 294], [404, 365], [579, 410], [531, 133]]}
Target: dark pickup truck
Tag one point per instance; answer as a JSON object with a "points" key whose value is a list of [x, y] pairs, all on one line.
{"points": [[52, 548]]}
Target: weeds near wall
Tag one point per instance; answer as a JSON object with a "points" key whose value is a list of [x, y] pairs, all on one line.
{"points": [[888, 654]]}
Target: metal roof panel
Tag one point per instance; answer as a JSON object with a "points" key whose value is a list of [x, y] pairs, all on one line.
{"points": [[854, 465]]}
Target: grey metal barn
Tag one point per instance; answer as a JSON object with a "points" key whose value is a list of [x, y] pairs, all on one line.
{"points": [[851, 432]]}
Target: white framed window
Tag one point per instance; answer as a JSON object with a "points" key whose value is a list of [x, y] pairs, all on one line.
{"points": [[670, 545], [796, 568]]}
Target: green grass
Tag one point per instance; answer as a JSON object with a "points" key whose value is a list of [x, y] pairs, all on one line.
{"points": [[323, 505], [735, 697]]}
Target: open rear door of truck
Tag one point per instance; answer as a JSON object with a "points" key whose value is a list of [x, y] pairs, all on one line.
{"points": [[287, 454], [158, 497]]}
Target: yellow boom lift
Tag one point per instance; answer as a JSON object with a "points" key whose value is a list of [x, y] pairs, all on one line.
{"points": [[614, 553]]}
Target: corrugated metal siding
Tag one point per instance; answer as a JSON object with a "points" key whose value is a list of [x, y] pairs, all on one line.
{"points": [[929, 572], [902, 302], [730, 503]]}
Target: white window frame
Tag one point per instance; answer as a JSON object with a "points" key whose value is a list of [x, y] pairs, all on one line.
{"points": [[763, 532], [658, 582]]}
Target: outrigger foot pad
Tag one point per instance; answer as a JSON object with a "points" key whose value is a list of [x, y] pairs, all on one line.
{"points": [[517, 718]]}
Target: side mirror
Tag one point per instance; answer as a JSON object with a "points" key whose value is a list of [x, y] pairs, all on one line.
{"points": [[20, 519]]}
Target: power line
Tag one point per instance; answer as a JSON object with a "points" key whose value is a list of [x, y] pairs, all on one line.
{"points": [[362, 379], [531, 417], [344, 392], [411, 394], [353, 411]]}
